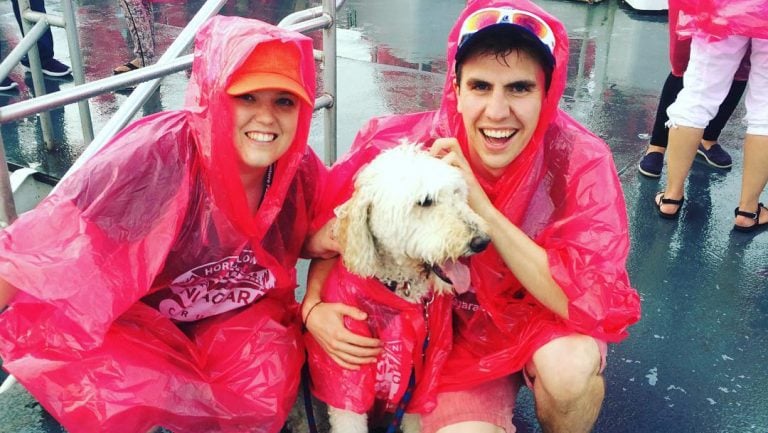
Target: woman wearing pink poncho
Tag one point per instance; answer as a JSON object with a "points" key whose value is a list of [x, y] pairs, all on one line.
{"points": [[553, 288], [723, 31], [155, 286]]}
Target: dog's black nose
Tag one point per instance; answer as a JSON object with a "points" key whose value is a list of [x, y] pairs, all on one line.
{"points": [[479, 243]]}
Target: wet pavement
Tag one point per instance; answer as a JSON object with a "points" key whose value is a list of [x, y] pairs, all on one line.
{"points": [[697, 361]]}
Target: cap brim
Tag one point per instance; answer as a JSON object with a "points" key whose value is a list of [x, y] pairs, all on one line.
{"points": [[267, 81]]}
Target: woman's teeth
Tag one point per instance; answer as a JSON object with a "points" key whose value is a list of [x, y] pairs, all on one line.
{"points": [[498, 133], [260, 136]]}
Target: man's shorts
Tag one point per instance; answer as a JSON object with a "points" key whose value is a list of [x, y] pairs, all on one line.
{"points": [[491, 402]]}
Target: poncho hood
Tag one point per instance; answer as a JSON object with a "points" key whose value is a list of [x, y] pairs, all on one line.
{"points": [[517, 177], [210, 115]]}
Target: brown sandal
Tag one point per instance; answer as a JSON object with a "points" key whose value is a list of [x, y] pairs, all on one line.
{"points": [[126, 67]]}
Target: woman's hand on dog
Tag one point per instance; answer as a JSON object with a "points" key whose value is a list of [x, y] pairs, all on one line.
{"points": [[349, 350], [449, 150], [325, 321]]}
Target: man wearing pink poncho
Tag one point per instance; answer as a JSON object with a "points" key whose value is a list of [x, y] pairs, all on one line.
{"points": [[552, 289]]}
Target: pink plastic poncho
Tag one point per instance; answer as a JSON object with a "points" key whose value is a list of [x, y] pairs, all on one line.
{"points": [[721, 18], [563, 191], [161, 209], [680, 46], [402, 328]]}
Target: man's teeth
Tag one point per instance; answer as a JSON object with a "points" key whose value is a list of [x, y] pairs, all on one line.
{"points": [[260, 136], [498, 133]]}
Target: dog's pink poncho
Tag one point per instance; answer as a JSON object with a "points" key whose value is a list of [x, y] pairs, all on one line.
{"points": [[402, 328]]}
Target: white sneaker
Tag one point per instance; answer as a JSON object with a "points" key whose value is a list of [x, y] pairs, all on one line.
{"points": [[8, 84]]}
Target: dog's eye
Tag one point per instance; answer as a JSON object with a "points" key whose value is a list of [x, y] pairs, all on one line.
{"points": [[425, 202]]}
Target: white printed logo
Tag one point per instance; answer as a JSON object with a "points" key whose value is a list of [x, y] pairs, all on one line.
{"points": [[388, 376], [217, 287]]}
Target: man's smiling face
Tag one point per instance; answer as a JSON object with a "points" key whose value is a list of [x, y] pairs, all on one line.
{"points": [[500, 101]]}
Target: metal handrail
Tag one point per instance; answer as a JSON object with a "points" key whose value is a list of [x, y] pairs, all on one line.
{"points": [[144, 91], [78, 74], [323, 17], [25, 45], [34, 25], [50, 101], [329, 78], [64, 97], [7, 205]]}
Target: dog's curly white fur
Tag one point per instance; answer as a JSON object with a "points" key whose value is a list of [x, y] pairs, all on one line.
{"points": [[407, 217]]}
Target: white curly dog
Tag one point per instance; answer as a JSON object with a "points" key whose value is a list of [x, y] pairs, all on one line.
{"points": [[407, 224]]}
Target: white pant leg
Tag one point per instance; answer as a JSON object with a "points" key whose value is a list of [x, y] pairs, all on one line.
{"points": [[707, 80], [757, 89]]}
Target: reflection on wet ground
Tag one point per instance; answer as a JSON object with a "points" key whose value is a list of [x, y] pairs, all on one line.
{"points": [[697, 361]]}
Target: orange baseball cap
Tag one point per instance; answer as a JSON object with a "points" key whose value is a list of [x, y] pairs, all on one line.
{"points": [[271, 65]]}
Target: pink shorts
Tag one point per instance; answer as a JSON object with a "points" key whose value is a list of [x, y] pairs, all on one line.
{"points": [[491, 402]]}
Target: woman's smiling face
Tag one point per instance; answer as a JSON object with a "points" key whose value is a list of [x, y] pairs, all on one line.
{"points": [[265, 126]]}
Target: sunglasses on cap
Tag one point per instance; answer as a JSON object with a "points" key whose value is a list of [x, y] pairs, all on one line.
{"points": [[487, 17]]}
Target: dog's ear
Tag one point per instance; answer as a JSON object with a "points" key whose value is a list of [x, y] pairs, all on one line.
{"points": [[355, 237]]}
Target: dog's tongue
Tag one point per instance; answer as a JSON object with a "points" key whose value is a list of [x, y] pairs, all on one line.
{"points": [[458, 272]]}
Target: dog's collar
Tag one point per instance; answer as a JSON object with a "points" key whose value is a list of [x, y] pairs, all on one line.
{"points": [[405, 286], [393, 286]]}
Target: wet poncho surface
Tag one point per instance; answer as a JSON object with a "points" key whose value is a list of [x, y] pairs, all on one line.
{"points": [[149, 293], [563, 191]]}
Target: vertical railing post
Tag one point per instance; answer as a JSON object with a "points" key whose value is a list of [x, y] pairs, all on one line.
{"points": [[76, 58], [329, 80], [35, 67], [7, 205]]}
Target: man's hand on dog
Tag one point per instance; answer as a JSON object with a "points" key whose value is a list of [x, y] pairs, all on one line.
{"points": [[449, 150]]}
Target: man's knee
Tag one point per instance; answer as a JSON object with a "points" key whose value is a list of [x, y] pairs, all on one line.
{"points": [[568, 367]]}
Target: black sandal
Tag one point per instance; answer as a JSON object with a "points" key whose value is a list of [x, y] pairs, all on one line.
{"points": [[755, 216], [669, 216]]}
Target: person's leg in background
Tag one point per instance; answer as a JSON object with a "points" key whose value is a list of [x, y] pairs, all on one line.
{"points": [[652, 162], [709, 148], [706, 82], [138, 15], [51, 66], [6, 83], [755, 175], [45, 43]]}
